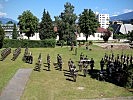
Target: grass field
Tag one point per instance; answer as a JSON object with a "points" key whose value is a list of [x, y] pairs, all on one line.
{"points": [[52, 85]]}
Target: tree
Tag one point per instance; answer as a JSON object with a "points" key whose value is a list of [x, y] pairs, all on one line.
{"points": [[28, 23], [46, 27], [88, 22], [66, 23], [130, 35], [2, 35], [9, 22], [131, 21], [106, 35], [0, 22], [14, 33]]}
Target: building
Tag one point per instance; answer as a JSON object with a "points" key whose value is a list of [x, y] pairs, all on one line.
{"points": [[125, 28], [122, 28], [96, 36], [8, 28], [34, 37], [103, 20]]}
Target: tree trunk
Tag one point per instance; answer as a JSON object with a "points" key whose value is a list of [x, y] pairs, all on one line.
{"points": [[86, 37]]}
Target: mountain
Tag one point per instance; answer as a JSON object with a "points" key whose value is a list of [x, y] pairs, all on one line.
{"points": [[122, 17], [5, 20]]}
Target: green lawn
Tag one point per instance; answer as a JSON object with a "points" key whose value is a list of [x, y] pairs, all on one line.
{"points": [[52, 85]]}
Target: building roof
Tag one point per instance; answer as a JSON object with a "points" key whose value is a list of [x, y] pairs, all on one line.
{"points": [[125, 28], [101, 30]]}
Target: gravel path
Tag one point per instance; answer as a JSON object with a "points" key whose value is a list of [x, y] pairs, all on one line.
{"points": [[16, 85]]}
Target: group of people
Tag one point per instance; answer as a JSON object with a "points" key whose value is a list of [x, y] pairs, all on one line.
{"points": [[28, 58], [116, 68]]}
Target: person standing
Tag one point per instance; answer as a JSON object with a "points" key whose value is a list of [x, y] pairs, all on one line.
{"points": [[102, 64]]}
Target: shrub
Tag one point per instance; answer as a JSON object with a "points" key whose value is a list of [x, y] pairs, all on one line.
{"points": [[29, 43]]}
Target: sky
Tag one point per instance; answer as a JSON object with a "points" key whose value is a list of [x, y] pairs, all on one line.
{"points": [[14, 8]]}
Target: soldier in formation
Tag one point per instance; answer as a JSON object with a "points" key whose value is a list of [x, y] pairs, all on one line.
{"points": [[72, 69], [48, 62], [59, 62], [116, 67], [85, 68]]}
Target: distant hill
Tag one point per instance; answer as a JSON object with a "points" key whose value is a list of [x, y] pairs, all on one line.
{"points": [[5, 20], [123, 17]]}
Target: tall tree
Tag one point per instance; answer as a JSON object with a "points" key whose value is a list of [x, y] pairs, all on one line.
{"points": [[88, 22], [9, 22], [130, 35], [2, 35], [106, 35], [66, 23], [46, 27], [14, 33], [28, 23], [0, 22]]}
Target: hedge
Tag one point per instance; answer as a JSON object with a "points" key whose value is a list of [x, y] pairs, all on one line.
{"points": [[29, 43]]}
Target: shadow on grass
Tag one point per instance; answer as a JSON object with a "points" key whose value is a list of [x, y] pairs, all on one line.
{"points": [[117, 78]]}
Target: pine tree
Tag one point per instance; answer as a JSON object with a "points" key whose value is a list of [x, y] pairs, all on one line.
{"points": [[46, 27], [66, 23], [14, 33], [2, 34]]}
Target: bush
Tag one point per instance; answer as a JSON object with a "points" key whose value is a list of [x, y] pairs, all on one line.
{"points": [[29, 43], [83, 41], [90, 42]]}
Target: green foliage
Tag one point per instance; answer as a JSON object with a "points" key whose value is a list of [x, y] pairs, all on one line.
{"points": [[14, 33], [110, 29], [28, 23], [2, 35], [131, 21], [130, 36], [106, 35], [0, 22], [29, 43], [65, 23], [129, 83], [9, 22], [90, 42], [46, 27], [88, 22], [120, 36]]}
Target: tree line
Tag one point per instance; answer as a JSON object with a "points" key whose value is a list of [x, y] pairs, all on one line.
{"points": [[67, 24]]}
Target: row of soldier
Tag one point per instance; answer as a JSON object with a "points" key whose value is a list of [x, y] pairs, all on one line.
{"points": [[119, 61], [116, 67], [16, 53], [28, 58], [5, 53]]}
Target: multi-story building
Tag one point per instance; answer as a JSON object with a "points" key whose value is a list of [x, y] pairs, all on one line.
{"points": [[103, 20], [8, 28]]}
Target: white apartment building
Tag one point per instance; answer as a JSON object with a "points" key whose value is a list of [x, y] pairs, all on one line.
{"points": [[103, 20], [8, 28]]}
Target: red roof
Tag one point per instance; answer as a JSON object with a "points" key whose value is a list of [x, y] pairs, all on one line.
{"points": [[101, 30]]}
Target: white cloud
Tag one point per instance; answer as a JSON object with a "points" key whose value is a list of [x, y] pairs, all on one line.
{"points": [[127, 10], [116, 13], [96, 8], [2, 14], [104, 9]]}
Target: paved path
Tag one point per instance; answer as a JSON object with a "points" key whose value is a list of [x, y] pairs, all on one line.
{"points": [[116, 98], [16, 85]]}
